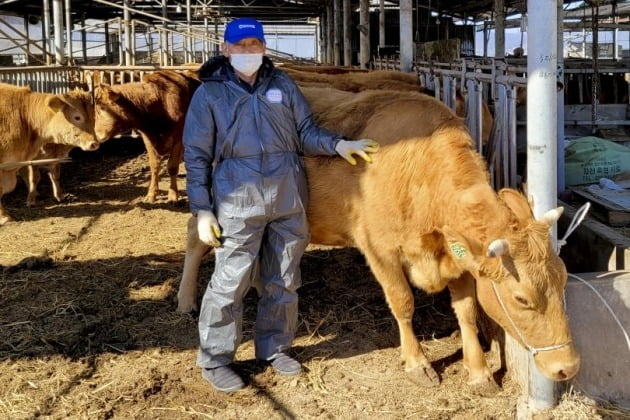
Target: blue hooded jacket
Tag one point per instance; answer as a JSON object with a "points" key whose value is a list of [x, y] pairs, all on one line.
{"points": [[264, 127]]}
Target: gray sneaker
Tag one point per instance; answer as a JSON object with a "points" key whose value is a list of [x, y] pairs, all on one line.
{"points": [[286, 365], [223, 378]]}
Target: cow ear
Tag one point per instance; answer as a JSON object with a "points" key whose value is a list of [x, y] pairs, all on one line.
{"points": [[105, 92], [517, 203], [459, 248], [56, 103]]}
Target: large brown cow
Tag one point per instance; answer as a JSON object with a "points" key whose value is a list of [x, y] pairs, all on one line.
{"points": [[30, 119], [424, 215], [156, 107]]}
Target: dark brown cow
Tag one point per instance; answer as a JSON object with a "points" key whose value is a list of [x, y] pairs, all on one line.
{"points": [[155, 107], [30, 120], [425, 215]]}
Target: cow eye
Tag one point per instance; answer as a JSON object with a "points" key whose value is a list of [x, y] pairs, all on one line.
{"points": [[522, 301], [77, 118]]}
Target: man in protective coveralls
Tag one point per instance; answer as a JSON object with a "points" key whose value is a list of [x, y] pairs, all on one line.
{"points": [[246, 128]]}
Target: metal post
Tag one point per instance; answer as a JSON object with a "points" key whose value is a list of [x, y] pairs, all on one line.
{"points": [[406, 35], [330, 21], [542, 97], [108, 47], [205, 39], [560, 80], [164, 37], [28, 40], [347, 34], [499, 29], [133, 42], [190, 58], [46, 30], [336, 32], [127, 19], [381, 23], [83, 40], [58, 30], [364, 33], [68, 8], [216, 35]]}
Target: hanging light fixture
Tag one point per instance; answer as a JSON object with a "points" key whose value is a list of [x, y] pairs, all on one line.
{"points": [[178, 9]]}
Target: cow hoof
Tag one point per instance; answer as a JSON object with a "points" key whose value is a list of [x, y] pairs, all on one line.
{"points": [[186, 307], [67, 198], [5, 219], [172, 197], [487, 388], [424, 376], [149, 198]]}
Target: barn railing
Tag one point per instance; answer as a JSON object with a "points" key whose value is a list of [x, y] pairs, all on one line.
{"points": [[60, 79]]}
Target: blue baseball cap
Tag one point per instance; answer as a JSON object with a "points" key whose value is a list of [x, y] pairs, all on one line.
{"points": [[239, 29]]}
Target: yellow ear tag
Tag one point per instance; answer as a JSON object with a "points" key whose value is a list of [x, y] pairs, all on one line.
{"points": [[458, 250]]}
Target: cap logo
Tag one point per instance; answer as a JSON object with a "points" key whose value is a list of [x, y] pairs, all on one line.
{"points": [[241, 26]]}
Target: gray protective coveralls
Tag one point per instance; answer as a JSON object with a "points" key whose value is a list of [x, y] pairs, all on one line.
{"points": [[253, 137]]}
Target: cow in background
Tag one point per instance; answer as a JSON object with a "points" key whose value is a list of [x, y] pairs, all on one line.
{"points": [[29, 120], [32, 176], [156, 108], [375, 80]]}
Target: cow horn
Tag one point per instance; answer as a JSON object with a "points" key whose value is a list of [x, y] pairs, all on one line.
{"points": [[552, 216], [497, 248]]}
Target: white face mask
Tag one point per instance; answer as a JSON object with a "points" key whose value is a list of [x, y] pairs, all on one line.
{"points": [[247, 64]]}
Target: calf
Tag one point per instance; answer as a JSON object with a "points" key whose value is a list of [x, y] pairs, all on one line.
{"points": [[30, 120], [156, 108]]}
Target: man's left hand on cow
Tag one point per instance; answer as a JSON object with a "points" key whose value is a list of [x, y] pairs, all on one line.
{"points": [[347, 148]]}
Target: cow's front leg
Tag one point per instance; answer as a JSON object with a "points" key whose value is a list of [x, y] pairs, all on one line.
{"points": [[33, 177], [390, 275], [195, 250], [173, 169], [154, 168], [463, 302]]}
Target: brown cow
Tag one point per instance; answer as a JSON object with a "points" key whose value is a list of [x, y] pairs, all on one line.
{"points": [[156, 107], [424, 215], [381, 80], [357, 82], [30, 120]]}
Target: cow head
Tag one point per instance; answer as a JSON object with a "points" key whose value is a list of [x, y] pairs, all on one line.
{"points": [[520, 283], [72, 122], [110, 113]]}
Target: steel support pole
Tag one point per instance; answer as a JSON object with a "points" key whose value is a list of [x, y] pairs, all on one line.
{"points": [[560, 80], [347, 34], [46, 30], [499, 28], [127, 21], [542, 147], [68, 9], [381, 23], [58, 30], [406, 35], [190, 57], [336, 32], [364, 33]]}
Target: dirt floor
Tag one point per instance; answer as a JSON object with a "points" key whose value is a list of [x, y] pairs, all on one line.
{"points": [[88, 326]]}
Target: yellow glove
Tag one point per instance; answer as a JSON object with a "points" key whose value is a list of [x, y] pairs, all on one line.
{"points": [[208, 228], [346, 148]]}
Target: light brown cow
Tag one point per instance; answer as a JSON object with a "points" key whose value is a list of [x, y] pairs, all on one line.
{"points": [[30, 119], [357, 82], [155, 107], [424, 215], [381, 80]]}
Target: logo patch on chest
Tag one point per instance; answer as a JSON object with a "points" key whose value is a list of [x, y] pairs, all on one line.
{"points": [[274, 96]]}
